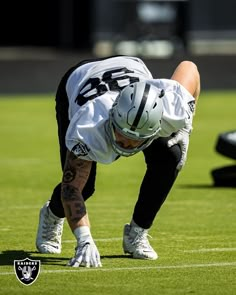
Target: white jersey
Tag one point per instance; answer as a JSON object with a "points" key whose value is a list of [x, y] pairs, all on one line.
{"points": [[92, 89]]}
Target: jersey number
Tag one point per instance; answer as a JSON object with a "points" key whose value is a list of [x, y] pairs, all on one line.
{"points": [[114, 80]]}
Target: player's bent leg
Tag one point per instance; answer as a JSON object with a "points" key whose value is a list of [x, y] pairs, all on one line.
{"points": [[49, 233], [159, 178], [135, 242]]}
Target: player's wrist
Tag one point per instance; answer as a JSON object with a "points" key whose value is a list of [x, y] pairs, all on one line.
{"points": [[82, 233], [188, 127]]}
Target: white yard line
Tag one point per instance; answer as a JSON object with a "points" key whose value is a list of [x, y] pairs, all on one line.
{"points": [[204, 250], [96, 240], [103, 269], [23, 207]]}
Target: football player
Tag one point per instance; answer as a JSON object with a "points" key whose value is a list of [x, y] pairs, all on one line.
{"points": [[106, 109]]}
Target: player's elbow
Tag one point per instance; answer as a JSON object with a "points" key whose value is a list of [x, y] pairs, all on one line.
{"points": [[188, 64], [193, 70]]}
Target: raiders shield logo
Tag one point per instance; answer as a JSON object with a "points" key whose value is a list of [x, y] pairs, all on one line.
{"points": [[80, 149], [27, 270]]}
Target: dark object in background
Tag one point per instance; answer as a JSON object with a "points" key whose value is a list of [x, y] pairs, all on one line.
{"points": [[225, 176], [226, 146]]}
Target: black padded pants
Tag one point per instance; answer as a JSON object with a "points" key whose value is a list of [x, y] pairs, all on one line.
{"points": [[158, 180]]}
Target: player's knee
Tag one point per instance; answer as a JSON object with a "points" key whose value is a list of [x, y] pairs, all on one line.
{"points": [[160, 154], [174, 154]]}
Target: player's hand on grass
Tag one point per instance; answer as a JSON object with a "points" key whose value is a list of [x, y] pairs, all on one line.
{"points": [[86, 253], [182, 138]]}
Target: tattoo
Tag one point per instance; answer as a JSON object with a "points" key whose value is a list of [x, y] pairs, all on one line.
{"points": [[69, 175], [76, 210], [76, 169], [75, 176], [70, 193], [74, 203]]}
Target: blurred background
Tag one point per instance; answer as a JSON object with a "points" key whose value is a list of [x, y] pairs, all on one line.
{"points": [[39, 40]]}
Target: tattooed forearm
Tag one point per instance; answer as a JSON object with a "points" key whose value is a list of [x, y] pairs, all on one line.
{"points": [[73, 203], [76, 170], [70, 193], [69, 175], [75, 211], [75, 176]]}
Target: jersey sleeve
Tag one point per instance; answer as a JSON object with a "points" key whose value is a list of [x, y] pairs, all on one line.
{"points": [[179, 106], [86, 134], [75, 141]]}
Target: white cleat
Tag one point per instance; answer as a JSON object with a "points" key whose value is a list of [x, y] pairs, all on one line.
{"points": [[135, 242], [49, 233]]}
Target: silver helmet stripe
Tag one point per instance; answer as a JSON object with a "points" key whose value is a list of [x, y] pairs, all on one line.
{"points": [[141, 107]]}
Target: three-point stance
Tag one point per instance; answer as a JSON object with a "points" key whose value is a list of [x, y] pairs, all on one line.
{"points": [[109, 108]]}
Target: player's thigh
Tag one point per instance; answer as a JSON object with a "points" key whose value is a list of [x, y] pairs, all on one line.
{"points": [[158, 153]]}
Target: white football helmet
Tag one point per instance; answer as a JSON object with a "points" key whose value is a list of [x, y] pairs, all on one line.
{"points": [[136, 114]]}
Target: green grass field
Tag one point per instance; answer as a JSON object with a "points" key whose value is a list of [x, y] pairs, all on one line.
{"points": [[194, 232]]}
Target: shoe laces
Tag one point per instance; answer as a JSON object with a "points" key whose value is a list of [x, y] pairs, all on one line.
{"points": [[52, 228], [141, 239]]}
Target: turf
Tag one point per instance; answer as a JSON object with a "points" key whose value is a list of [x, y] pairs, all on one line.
{"points": [[194, 232]]}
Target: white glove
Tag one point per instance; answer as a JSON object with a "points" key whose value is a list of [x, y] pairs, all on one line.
{"points": [[182, 138], [86, 252]]}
